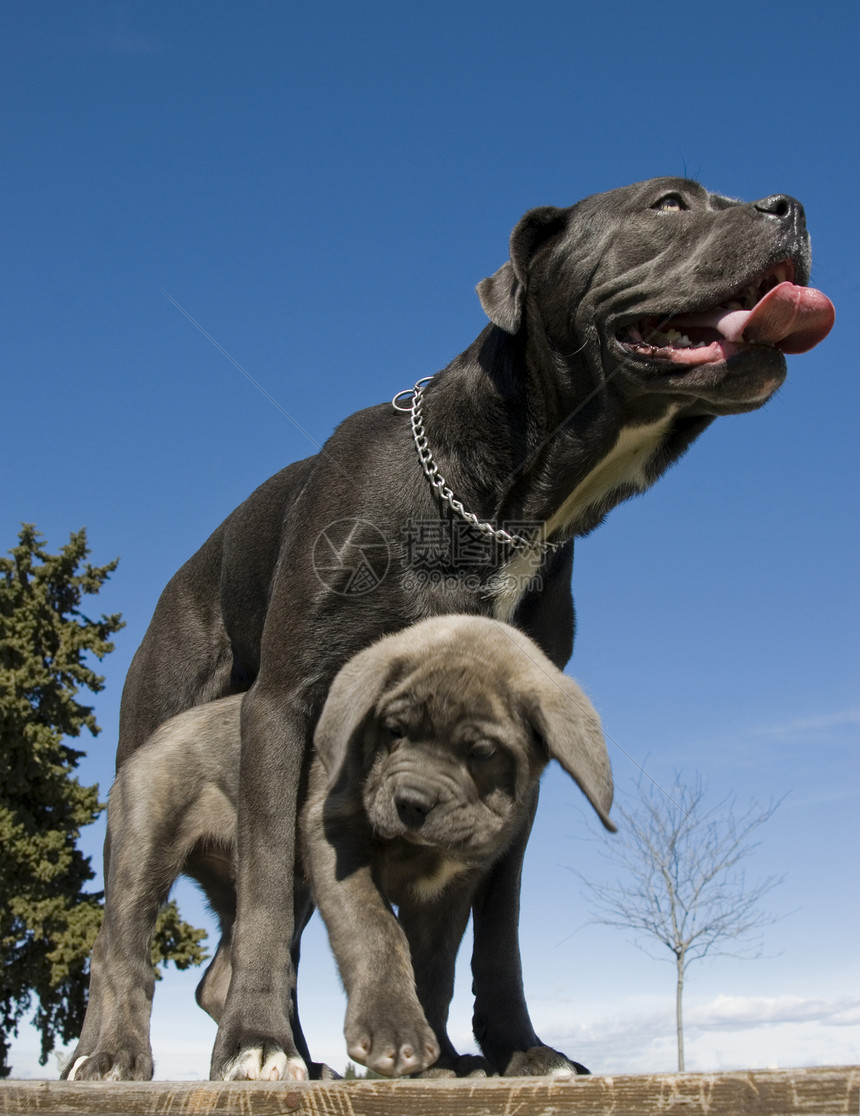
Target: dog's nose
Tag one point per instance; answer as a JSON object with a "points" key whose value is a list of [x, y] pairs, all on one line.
{"points": [[413, 806], [783, 207]]}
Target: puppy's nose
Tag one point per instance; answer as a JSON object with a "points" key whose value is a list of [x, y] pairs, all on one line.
{"points": [[783, 207], [413, 806]]}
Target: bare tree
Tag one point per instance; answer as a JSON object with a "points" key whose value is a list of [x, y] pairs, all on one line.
{"points": [[683, 887]]}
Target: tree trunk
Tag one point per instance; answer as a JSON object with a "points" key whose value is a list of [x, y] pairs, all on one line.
{"points": [[679, 1014]]}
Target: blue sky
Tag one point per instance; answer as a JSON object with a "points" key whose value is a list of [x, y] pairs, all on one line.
{"points": [[321, 187]]}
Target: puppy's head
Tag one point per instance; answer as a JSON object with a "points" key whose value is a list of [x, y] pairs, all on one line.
{"points": [[443, 729]]}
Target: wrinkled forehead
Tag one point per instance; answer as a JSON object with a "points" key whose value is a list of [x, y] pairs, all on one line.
{"points": [[438, 695], [607, 236], [641, 195]]}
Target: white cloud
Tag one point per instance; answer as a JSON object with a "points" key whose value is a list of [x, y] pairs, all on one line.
{"points": [[751, 1011], [803, 726], [727, 1032]]}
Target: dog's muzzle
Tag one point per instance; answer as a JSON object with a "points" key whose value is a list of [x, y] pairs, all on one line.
{"points": [[413, 805], [772, 310]]}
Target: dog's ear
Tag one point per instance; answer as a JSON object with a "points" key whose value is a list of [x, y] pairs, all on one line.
{"points": [[502, 295], [353, 694], [569, 727]]}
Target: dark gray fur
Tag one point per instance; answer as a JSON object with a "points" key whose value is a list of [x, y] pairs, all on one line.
{"points": [[523, 425]]}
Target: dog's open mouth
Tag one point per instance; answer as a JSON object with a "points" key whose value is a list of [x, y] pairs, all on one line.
{"points": [[772, 310]]}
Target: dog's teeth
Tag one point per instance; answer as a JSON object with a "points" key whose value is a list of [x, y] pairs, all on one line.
{"points": [[672, 338]]}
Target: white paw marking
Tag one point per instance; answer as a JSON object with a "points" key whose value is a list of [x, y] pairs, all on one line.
{"points": [[274, 1068], [245, 1066], [563, 1074], [78, 1063], [249, 1066], [296, 1070]]}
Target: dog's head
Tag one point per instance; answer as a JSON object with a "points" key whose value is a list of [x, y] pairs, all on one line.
{"points": [[444, 728], [667, 289]]}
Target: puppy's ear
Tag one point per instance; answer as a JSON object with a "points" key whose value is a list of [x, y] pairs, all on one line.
{"points": [[570, 728], [502, 295], [353, 694]]}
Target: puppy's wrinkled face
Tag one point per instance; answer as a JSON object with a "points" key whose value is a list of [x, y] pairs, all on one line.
{"points": [[448, 765]]}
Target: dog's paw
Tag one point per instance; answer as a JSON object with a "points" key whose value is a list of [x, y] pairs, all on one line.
{"points": [[319, 1071], [110, 1065], [460, 1065], [255, 1063], [390, 1039], [543, 1061]]}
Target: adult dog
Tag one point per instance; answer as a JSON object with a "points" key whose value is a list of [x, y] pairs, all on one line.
{"points": [[620, 328], [427, 748]]}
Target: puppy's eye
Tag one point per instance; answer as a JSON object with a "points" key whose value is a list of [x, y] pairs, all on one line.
{"points": [[670, 203], [482, 750]]}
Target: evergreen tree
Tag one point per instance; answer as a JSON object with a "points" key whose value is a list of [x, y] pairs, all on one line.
{"points": [[48, 921]]}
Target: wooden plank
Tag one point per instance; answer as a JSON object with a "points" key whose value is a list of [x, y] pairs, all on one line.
{"points": [[821, 1091]]}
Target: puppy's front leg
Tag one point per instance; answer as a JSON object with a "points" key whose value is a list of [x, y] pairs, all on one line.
{"points": [[385, 1028]]}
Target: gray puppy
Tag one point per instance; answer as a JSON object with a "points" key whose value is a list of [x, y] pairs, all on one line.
{"points": [[429, 748], [427, 751], [171, 812]]}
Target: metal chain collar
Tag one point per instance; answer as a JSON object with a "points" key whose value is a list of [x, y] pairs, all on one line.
{"points": [[431, 471]]}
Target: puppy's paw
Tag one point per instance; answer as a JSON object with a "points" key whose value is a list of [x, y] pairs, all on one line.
{"points": [[543, 1061], [255, 1063], [110, 1065], [391, 1039]]}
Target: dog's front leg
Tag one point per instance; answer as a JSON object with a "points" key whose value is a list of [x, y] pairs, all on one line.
{"points": [[435, 929], [255, 1037], [385, 1028], [501, 1019]]}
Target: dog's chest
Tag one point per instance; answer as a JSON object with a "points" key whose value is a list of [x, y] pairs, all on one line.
{"points": [[428, 886], [625, 466], [415, 873]]}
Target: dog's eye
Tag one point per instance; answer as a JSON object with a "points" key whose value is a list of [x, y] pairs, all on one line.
{"points": [[482, 750], [670, 203]]}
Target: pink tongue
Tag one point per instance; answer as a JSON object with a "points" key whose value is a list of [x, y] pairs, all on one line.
{"points": [[792, 318]]}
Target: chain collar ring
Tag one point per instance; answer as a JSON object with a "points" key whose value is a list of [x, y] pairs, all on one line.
{"points": [[444, 491]]}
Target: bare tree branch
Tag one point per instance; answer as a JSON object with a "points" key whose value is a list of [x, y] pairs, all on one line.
{"points": [[679, 886]]}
